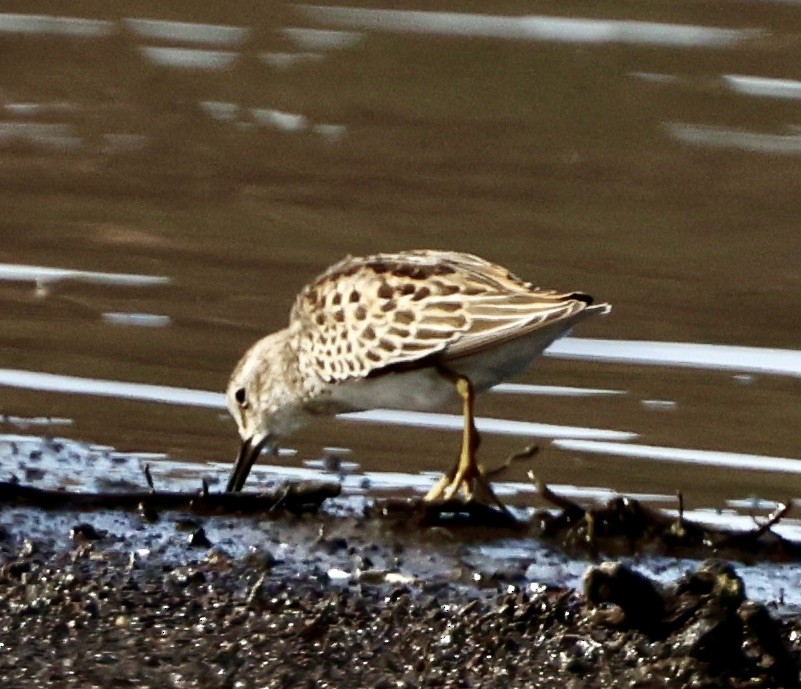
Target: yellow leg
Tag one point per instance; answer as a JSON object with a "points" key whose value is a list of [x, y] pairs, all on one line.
{"points": [[467, 470], [466, 475]]}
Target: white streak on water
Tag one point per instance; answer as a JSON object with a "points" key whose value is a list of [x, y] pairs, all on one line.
{"points": [[555, 390], [753, 503], [322, 39], [593, 493], [27, 421], [332, 132], [708, 356], [189, 58], [147, 320], [33, 24], [31, 109], [731, 460], [322, 465], [186, 32], [49, 382], [219, 110], [58, 136], [44, 275], [788, 89], [654, 77], [661, 405], [709, 136], [531, 28], [285, 121]]}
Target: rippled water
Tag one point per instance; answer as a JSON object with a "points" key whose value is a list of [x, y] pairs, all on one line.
{"points": [[167, 183]]}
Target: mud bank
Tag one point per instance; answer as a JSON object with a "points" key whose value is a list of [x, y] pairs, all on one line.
{"points": [[95, 615], [345, 597]]}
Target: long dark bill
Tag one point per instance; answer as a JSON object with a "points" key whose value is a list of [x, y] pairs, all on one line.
{"points": [[249, 452]]}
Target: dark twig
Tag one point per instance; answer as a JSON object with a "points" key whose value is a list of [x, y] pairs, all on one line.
{"points": [[547, 494], [149, 478], [525, 453], [280, 501], [754, 534]]}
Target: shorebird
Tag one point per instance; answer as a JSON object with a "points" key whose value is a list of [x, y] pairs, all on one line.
{"points": [[411, 330]]}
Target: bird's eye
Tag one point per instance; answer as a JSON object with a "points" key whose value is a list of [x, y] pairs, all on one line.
{"points": [[241, 400]]}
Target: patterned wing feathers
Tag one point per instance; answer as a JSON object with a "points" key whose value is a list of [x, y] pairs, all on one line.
{"points": [[364, 314]]}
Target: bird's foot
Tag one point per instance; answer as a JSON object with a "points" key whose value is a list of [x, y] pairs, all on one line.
{"points": [[437, 491], [473, 485]]}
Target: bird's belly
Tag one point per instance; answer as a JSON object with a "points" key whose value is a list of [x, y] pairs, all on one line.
{"points": [[418, 390], [497, 364]]}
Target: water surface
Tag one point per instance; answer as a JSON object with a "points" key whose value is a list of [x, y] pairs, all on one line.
{"points": [[166, 188]]}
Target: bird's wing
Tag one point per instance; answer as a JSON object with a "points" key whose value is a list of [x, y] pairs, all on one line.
{"points": [[379, 312]]}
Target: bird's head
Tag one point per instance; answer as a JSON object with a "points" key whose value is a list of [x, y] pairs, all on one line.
{"points": [[263, 401]]}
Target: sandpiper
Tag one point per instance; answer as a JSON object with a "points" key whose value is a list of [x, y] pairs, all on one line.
{"points": [[411, 330]]}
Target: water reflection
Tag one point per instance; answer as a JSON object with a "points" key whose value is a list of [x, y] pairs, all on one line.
{"points": [[532, 28], [554, 390], [286, 60], [710, 136], [789, 89], [186, 32], [44, 275], [785, 362], [48, 382], [322, 39], [285, 121], [60, 137], [189, 58], [224, 112], [145, 320], [37, 24], [731, 460]]}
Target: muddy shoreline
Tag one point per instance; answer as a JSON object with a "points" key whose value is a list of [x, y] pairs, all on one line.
{"points": [[89, 605], [345, 596]]}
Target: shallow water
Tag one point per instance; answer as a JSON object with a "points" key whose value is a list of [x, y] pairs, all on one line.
{"points": [[650, 159]]}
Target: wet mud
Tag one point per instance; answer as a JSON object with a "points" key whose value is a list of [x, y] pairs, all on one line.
{"points": [[344, 595], [95, 610]]}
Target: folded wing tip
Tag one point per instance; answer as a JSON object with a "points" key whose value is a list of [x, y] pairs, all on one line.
{"points": [[600, 309]]}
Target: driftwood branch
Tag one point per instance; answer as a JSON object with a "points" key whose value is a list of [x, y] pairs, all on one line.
{"points": [[565, 504], [743, 538], [296, 498], [627, 522]]}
